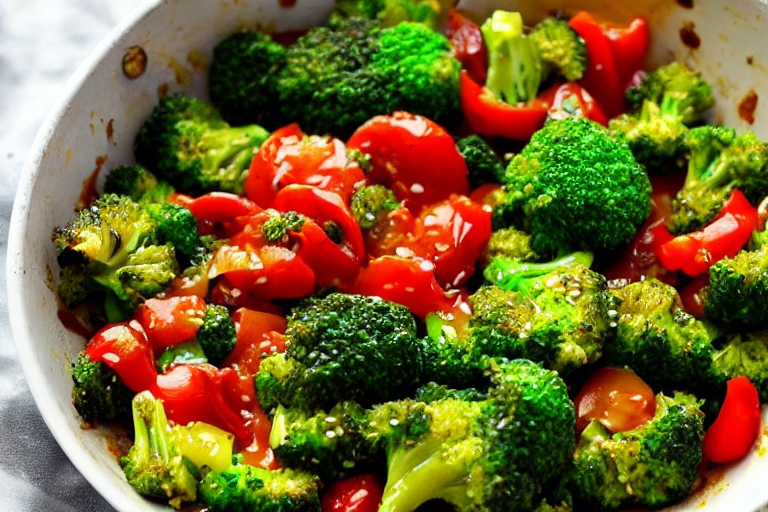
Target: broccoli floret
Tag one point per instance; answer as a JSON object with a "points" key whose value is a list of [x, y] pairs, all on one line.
{"points": [[76, 285], [392, 12], [737, 292], [242, 78], [675, 88], [98, 393], [155, 466], [653, 465], [281, 225], [577, 188], [448, 355], [243, 487], [745, 353], [329, 444], [563, 52], [111, 244], [515, 69], [483, 163], [666, 346], [371, 204], [355, 69], [510, 243], [129, 180], [560, 316], [476, 454], [720, 161], [177, 226], [342, 347], [217, 336], [186, 143]]}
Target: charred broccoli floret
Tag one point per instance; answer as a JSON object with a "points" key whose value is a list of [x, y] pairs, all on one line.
{"points": [[98, 394], [217, 335], [186, 142], [483, 163]]}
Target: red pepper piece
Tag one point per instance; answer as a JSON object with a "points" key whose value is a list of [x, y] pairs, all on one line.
{"points": [[735, 430], [171, 320], [570, 98], [468, 45], [488, 116], [124, 347], [694, 253]]}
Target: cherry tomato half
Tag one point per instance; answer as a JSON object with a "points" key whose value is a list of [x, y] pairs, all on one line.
{"points": [[360, 493]]}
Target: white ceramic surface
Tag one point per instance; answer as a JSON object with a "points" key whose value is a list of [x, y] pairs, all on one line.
{"points": [[94, 121]]}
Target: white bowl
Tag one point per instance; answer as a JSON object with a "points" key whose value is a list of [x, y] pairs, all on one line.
{"points": [[94, 121]]}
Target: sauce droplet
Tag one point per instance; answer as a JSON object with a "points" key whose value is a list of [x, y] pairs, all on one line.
{"points": [[689, 37], [134, 62], [747, 107]]}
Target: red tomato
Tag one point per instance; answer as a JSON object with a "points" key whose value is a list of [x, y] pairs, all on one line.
{"points": [[452, 234], [735, 430], [125, 349], [409, 282], [255, 338], [289, 156], [170, 321], [615, 397], [413, 156], [468, 45], [360, 493], [571, 99], [490, 117]]}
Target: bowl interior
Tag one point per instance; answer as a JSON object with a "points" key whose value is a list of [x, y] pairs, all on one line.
{"points": [[93, 125]]}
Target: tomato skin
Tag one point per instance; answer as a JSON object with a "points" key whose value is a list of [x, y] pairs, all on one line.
{"points": [[361, 493], [490, 117], [289, 156], [124, 347], [615, 397], [737, 426], [409, 282], [468, 45], [170, 321], [414, 156]]}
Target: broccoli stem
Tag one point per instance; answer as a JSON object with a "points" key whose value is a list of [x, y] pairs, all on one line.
{"points": [[511, 274]]}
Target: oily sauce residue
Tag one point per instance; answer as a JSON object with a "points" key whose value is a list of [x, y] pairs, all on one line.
{"points": [[88, 194], [685, 4], [747, 106], [689, 37], [287, 4], [134, 62]]}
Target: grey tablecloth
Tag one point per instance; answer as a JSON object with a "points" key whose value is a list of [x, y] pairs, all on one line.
{"points": [[41, 44]]}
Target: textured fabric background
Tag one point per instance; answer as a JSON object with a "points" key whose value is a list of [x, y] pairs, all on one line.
{"points": [[41, 44]]}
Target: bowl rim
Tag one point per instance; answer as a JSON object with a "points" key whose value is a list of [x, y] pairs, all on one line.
{"points": [[36, 380]]}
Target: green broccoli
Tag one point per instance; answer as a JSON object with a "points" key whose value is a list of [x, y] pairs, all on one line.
{"points": [[744, 353], [515, 66], [737, 293], [653, 465], [371, 204], [98, 394], [188, 352], [166, 462], [242, 78], [389, 13], [129, 180], [666, 346], [563, 51], [328, 444], [663, 106], [674, 88], [217, 336], [177, 225], [281, 224], [342, 347], [558, 313], [575, 187], [511, 243], [355, 69], [448, 354], [483, 163], [185, 142], [720, 161], [112, 247], [242, 487], [476, 454]]}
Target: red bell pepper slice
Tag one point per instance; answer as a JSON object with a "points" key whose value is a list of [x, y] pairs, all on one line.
{"points": [[468, 45], [258, 334], [414, 156], [694, 253], [332, 263], [488, 116], [171, 320], [360, 493], [217, 213], [601, 78], [125, 349], [735, 430], [629, 46], [409, 282], [323, 206]]}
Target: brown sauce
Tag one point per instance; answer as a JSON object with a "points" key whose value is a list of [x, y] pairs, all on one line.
{"points": [[747, 107], [689, 37]]}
